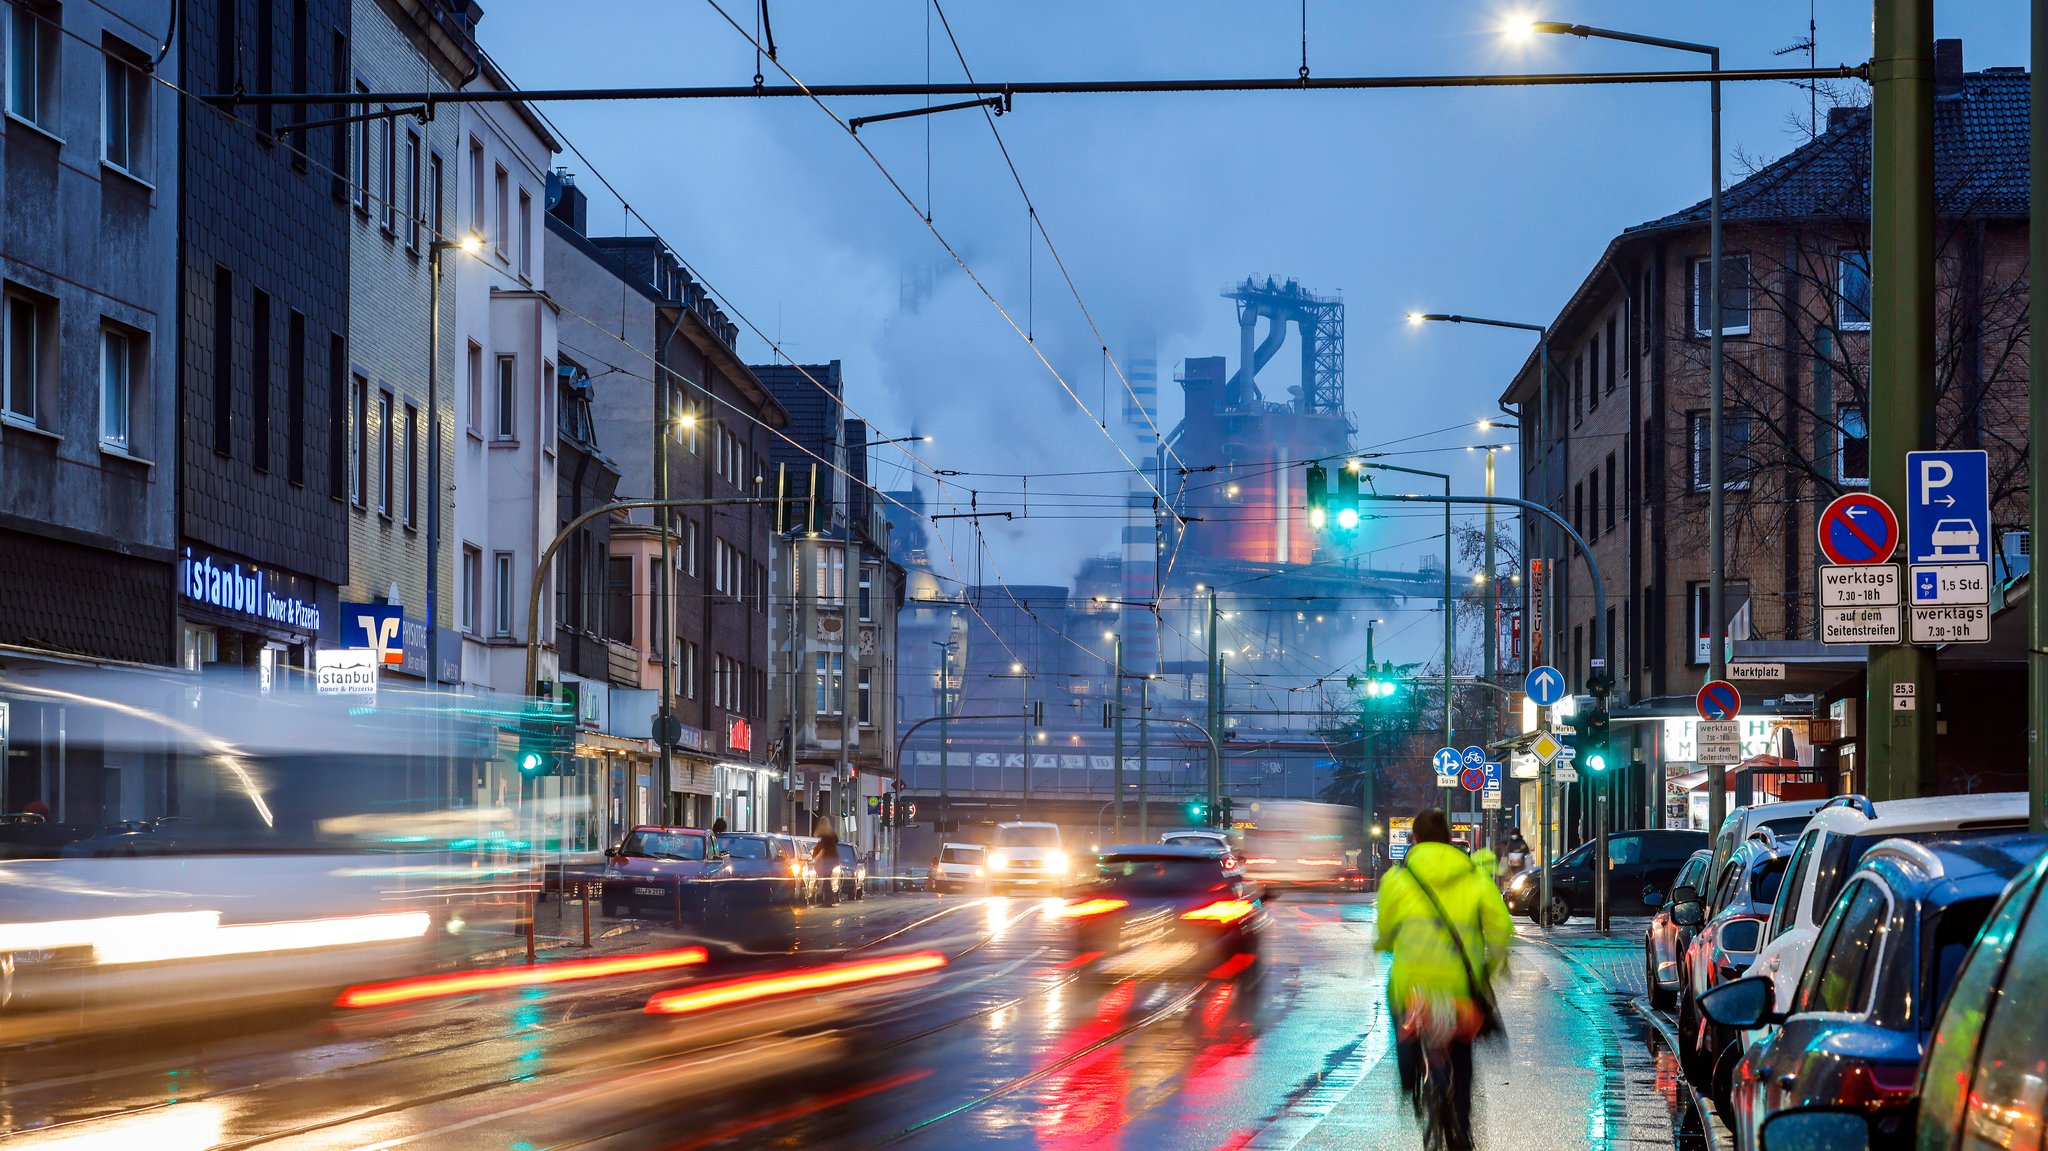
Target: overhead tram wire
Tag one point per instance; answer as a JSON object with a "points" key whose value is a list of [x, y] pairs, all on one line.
{"points": [[1038, 221], [965, 267]]}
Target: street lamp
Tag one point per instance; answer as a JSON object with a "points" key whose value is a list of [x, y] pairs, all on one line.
{"points": [[470, 244], [1717, 621], [890, 440]]}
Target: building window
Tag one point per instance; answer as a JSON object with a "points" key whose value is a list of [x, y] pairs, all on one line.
{"points": [[415, 210], [1734, 449], [618, 608], [1593, 506], [31, 64], [386, 486], [301, 53], [259, 378], [865, 699], [1853, 466], [504, 206], [337, 417], [473, 418], [656, 587], [26, 323], [359, 447], [472, 585], [1734, 607], [266, 61], [501, 588], [688, 670], [387, 143], [437, 197], [340, 135], [867, 595], [1734, 296], [360, 146], [1579, 508], [115, 365], [124, 139], [1593, 371], [525, 234], [691, 546], [508, 397], [477, 223], [1578, 390], [1612, 341], [1610, 491], [412, 466], [828, 682], [1852, 290], [223, 361], [295, 398]]}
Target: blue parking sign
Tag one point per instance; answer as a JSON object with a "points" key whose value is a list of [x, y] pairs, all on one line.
{"points": [[1948, 507]]}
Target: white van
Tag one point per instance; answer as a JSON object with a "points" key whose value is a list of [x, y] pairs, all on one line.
{"points": [[1026, 855]]}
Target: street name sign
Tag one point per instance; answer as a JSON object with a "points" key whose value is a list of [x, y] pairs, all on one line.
{"points": [[1544, 684], [1757, 672], [1858, 528], [1859, 585], [1963, 623], [1719, 700], [1860, 625], [1719, 741]]}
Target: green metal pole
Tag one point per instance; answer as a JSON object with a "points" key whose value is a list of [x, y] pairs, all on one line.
{"points": [[1901, 743], [2037, 410], [1215, 724], [1116, 767]]}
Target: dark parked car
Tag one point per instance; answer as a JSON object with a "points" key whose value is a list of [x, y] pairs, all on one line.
{"points": [[1637, 859], [1156, 902], [762, 869], [1729, 917], [661, 872], [1664, 941], [1865, 1008], [850, 877]]}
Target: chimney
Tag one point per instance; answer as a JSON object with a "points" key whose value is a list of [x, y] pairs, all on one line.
{"points": [[1948, 69], [1842, 114], [573, 208]]}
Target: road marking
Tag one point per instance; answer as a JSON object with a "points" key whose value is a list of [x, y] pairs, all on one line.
{"points": [[1304, 1115]]}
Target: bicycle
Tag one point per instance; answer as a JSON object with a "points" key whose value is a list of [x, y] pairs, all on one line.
{"points": [[1432, 1024]]}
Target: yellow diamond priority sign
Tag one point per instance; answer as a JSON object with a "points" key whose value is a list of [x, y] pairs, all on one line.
{"points": [[1545, 746]]}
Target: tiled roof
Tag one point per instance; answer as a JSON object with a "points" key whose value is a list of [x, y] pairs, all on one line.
{"points": [[1980, 163]]}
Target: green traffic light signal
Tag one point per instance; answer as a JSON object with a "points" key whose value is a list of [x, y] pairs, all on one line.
{"points": [[1596, 762]]}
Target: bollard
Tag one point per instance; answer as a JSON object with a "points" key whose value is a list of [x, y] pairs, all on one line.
{"points": [[530, 915], [1603, 868], [583, 889]]}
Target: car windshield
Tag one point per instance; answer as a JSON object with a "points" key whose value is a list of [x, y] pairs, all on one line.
{"points": [[1577, 857], [1765, 879], [1954, 932], [663, 845], [960, 855], [1027, 835], [743, 846], [1157, 875], [1787, 827]]}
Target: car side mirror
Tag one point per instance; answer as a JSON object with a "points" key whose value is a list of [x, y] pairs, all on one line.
{"points": [[611, 853], [1652, 897], [1743, 1004], [1815, 1130], [1687, 910]]}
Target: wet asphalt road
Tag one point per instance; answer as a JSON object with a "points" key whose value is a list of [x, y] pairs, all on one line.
{"points": [[1012, 1045]]}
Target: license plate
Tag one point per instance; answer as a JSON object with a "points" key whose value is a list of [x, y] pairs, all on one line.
{"points": [[649, 891]]}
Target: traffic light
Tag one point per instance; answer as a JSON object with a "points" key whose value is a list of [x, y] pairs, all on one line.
{"points": [[1594, 727], [906, 814], [1318, 496], [1344, 501], [545, 732], [1198, 812], [1226, 814], [1378, 682]]}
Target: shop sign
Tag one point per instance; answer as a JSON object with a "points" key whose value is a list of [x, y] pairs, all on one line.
{"points": [[345, 671], [739, 734], [262, 594]]}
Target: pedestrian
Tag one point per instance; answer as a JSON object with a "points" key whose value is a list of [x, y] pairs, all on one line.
{"points": [[718, 826], [1444, 925], [825, 860], [1516, 860]]}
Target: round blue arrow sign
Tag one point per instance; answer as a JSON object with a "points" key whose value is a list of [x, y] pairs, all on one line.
{"points": [[1544, 684], [1447, 761]]}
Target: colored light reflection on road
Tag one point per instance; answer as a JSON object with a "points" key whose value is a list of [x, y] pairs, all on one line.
{"points": [[827, 978], [500, 978]]}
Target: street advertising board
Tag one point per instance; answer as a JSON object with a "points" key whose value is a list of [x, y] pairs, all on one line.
{"points": [[1720, 742], [346, 671], [1400, 833], [1536, 576], [1948, 542]]}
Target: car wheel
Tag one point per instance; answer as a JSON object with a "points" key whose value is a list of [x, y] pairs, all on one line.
{"points": [[1660, 997], [1722, 1087], [1690, 1060], [1560, 908]]}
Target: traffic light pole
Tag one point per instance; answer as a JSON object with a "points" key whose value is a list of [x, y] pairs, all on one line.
{"points": [[1215, 713], [2037, 448]]}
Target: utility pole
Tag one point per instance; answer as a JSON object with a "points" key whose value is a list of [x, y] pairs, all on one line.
{"points": [[945, 739], [1491, 639], [1215, 710], [1116, 767], [2037, 408], [1901, 743], [1144, 759]]}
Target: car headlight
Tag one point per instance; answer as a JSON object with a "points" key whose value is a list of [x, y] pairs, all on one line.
{"points": [[998, 861], [1519, 882], [1056, 862], [977, 873]]}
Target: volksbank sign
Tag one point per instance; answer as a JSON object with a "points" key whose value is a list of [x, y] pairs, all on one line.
{"points": [[247, 590]]}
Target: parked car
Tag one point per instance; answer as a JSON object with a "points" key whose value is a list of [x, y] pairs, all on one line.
{"points": [[1196, 837], [1163, 904], [660, 871], [850, 877], [1828, 850], [1026, 854], [1784, 820], [1636, 860], [961, 867], [763, 869], [1730, 917], [1665, 940], [1864, 1009]]}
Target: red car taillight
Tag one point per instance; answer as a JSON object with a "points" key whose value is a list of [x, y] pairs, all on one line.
{"points": [[1876, 1085], [1089, 908], [1221, 911]]}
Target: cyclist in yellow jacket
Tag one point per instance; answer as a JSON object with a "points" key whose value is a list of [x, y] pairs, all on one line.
{"points": [[1442, 921]]}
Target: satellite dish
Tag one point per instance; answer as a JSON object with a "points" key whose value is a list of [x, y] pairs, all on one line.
{"points": [[553, 195]]}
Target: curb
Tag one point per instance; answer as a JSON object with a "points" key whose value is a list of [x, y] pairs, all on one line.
{"points": [[1711, 1131]]}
